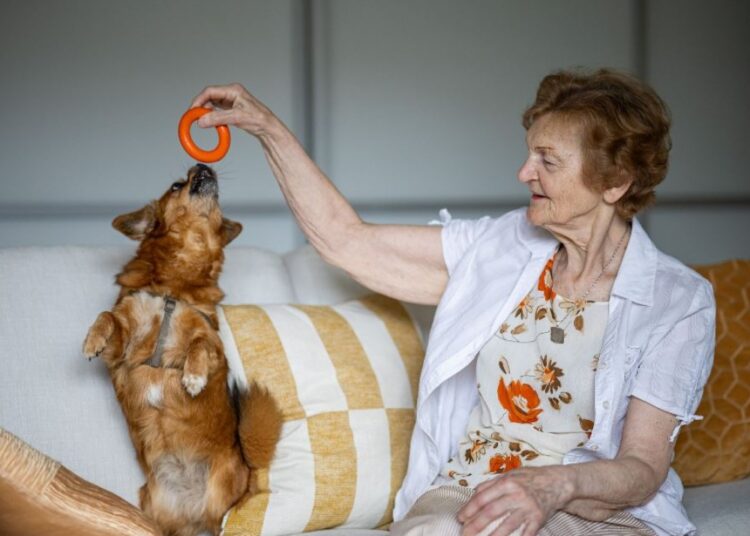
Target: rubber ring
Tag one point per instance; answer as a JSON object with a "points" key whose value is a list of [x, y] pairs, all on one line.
{"points": [[183, 134]]}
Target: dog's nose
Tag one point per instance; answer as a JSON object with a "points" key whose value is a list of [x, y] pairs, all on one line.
{"points": [[203, 180], [202, 171]]}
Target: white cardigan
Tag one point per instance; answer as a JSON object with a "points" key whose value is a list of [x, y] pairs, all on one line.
{"points": [[658, 346]]}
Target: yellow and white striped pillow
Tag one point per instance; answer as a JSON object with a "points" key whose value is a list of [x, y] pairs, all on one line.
{"points": [[346, 378]]}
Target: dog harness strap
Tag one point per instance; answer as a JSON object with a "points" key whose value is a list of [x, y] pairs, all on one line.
{"points": [[169, 305]]}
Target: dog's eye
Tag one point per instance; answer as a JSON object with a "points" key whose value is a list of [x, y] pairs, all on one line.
{"points": [[177, 186]]}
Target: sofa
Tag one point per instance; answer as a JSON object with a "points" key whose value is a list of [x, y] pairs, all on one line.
{"points": [[64, 406]]}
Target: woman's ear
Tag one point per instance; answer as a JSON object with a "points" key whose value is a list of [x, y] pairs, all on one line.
{"points": [[137, 225], [229, 230], [614, 194]]}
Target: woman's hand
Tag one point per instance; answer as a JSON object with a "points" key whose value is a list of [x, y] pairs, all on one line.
{"points": [[234, 105], [525, 497]]}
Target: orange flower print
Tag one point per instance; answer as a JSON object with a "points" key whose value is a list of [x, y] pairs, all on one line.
{"points": [[476, 451], [520, 400], [524, 308], [545, 281], [503, 464], [548, 373], [575, 307], [586, 425]]}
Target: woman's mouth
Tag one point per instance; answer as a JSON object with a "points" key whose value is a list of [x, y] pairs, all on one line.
{"points": [[537, 197]]}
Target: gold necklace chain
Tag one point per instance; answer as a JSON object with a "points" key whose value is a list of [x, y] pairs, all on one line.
{"points": [[604, 268], [557, 334]]}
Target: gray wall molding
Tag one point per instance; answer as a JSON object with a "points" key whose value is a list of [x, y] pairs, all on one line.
{"points": [[66, 210]]}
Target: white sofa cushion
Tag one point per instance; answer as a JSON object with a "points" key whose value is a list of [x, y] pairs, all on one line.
{"points": [[720, 509]]}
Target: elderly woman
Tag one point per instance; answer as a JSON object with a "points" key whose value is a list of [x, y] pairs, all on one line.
{"points": [[566, 350]]}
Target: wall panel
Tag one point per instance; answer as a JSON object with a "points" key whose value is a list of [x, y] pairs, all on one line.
{"points": [[699, 62], [92, 93], [701, 234], [421, 100]]}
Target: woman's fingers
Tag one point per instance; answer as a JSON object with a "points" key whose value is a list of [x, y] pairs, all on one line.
{"points": [[512, 515], [218, 96], [218, 117], [503, 512], [530, 528], [486, 492], [486, 484], [515, 520], [233, 105]]}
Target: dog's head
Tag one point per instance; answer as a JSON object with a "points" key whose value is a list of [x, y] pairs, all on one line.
{"points": [[183, 233]]}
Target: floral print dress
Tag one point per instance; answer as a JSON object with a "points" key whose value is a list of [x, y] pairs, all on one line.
{"points": [[536, 387]]}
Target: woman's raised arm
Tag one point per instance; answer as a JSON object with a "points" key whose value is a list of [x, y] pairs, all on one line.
{"points": [[401, 261]]}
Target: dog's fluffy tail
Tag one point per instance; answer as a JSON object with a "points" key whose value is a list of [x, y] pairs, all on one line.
{"points": [[260, 423]]}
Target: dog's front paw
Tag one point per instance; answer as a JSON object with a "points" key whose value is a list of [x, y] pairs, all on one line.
{"points": [[193, 383], [94, 345]]}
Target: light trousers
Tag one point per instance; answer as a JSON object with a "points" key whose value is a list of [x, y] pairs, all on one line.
{"points": [[434, 514]]}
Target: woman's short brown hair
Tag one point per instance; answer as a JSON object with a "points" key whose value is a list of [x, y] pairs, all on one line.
{"points": [[625, 130]]}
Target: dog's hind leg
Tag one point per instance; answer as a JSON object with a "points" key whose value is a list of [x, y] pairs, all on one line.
{"points": [[102, 338], [144, 499], [228, 486]]}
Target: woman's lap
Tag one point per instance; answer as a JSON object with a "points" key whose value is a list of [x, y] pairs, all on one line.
{"points": [[434, 514]]}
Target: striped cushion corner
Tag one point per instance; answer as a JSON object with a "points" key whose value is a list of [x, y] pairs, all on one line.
{"points": [[346, 378]]}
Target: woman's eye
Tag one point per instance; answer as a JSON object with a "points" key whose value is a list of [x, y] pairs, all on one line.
{"points": [[548, 163]]}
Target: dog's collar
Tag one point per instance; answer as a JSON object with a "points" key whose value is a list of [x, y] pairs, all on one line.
{"points": [[169, 305]]}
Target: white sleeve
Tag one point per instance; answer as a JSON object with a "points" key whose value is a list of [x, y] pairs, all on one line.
{"points": [[458, 235], [677, 360]]}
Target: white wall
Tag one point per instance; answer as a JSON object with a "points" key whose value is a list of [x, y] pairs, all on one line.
{"points": [[408, 105]]}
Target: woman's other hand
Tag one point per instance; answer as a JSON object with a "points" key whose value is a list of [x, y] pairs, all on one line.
{"points": [[236, 106], [525, 497]]}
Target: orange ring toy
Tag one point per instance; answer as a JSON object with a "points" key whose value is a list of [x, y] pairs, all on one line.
{"points": [[183, 133]]}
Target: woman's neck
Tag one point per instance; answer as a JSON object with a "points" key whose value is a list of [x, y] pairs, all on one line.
{"points": [[590, 250]]}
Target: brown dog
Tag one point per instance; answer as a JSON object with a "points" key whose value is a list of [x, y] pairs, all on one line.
{"points": [[161, 345]]}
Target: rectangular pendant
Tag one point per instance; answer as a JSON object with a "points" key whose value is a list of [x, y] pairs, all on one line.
{"points": [[557, 335]]}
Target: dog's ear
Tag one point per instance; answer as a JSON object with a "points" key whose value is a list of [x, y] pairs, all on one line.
{"points": [[229, 230], [138, 224]]}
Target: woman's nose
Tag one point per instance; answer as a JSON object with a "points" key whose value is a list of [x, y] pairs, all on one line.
{"points": [[526, 173]]}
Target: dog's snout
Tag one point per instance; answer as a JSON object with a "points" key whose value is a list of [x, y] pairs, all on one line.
{"points": [[202, 171], [203, 180]]}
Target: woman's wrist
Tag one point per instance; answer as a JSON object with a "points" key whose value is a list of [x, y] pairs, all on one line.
{"points": [[272, 129], [569, 484]]}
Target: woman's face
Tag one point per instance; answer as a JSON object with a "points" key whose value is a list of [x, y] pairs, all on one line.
{"points": [[553, 173]]}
